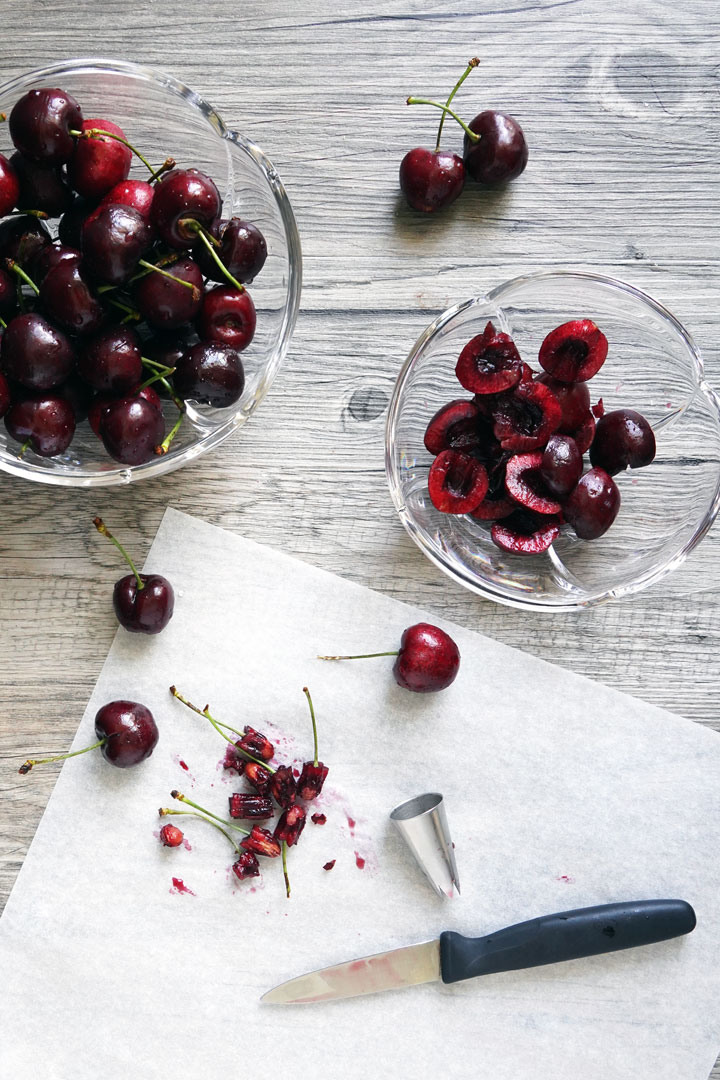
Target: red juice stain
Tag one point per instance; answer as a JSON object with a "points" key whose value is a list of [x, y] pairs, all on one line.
{"points": [[296, 773], [329, 865], [350, 821], [179, 886], [359, 861], [186, 844], [318, 819], [566, 879], [182, 765]]}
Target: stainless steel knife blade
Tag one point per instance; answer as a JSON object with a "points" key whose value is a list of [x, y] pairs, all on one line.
{"points": [[384, 971]]}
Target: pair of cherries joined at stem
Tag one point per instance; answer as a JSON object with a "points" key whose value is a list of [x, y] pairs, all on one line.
{"points": [[494, 153]]}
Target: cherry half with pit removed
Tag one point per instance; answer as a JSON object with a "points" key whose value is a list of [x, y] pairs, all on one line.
{"points": [[574, 352], [489, 363], [143, 603], [457, 483]]}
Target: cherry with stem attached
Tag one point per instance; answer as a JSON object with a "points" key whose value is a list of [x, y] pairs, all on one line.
{"points": [[218, 726], [143, 603], [427, 660], [127, 734]]}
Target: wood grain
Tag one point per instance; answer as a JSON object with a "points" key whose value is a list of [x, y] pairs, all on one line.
{"points": [[620, 105]]}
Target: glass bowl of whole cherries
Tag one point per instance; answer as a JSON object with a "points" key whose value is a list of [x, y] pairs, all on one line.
{"points": [[150, 274], [554, 444]]}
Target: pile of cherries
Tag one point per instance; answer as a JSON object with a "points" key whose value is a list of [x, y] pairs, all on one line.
{"points": [[513, 454], [250, 756], [142, 293], [494, 153]]}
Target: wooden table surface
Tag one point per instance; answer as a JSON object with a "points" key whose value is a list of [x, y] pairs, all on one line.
{"points": [[620, 103]]}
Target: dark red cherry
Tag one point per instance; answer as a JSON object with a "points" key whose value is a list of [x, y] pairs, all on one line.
{"points": [[623, 439], [574, 352], [524, 482], [114, 239], [525, 533], [445, 424], [47, 422], [130, 730], [228, 316], [428, 659], [457, 483], [166, 304], [99, 162], [147, 610], [431, 180], [210, 373], [525, 417], [36, 354], [502, 152], [489, 363], [184, 195], [50, 256], [167, 349], [585, 433], [5, 397], [40, 125], [574, 401], [243, 251], [66, 298], [561, 466], [72, 221], [101, 403], [78, 395], [9, 186], [135, 193], [592, 506], [42, 187], [130, 429], [111, 361], [22, 238]]}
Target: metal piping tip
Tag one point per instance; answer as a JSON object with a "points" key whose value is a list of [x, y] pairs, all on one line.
{"points": [[422, 823]]}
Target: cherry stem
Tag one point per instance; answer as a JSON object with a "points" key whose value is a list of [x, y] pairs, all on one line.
{"points": [[3, 117], [164, 446], [3, 323], [217, 725], [177, 402], [23, 448], [99, 133], [165, 811], [27, 766], [197, 228], [438, 105], [104, 531], [16, 269], [471, 64], [360, 656], [155, 378], [154, 365], [39, 214], [285, 869], [306, 692], [164, 260], [165, 273], [208, 813], [132, 313], [168, 163]]}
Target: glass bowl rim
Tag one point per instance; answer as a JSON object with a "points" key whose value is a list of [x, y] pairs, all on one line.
{"points": [[124, 474], [474, 582]]}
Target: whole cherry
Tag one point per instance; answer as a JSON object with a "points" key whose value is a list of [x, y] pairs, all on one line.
{"points": [[243, 250], [501, 152], [431, 180], [98, 162], [66, 298], [35, 354], [210, 373], [135, 193], [126, 731], [428, 659], [165, 302], [131, 429], [623, 439], [143, 603], [184, 200], [22, 238], [42, 187], [227, 315], [110, 361], [9, 186], [46, 423], [40, 125], [114, 240], [51, 256], [592, 505]]}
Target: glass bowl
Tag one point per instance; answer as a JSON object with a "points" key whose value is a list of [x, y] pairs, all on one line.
{"points": [[652, 366], [164, 118]]}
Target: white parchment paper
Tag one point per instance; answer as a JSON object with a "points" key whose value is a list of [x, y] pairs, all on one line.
{"points": [[560, 793]]}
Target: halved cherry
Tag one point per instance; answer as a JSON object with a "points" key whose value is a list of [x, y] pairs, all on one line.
{"points": [[497, 503], [457, 483], [525, 418], [574, 401], [585, 433], [574, 352], [525, 533], [444, 424], [489, 363], [524, 483]]}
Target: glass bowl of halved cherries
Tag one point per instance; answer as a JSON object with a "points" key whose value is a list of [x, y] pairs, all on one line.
{"points": [[554, 444], [150, 274]]}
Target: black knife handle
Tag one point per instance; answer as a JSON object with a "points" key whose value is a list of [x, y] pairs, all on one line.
{"points": [[568, 935]]}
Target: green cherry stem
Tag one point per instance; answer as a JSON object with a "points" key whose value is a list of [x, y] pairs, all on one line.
{"points": [[164, 446], [99, 133], [217, 725], [23, 448], [16, 269], [177, 402], [202, 235], [168, 163], [208, 813], [161, 369], [132, 314], [155, 378], [104, 531], [27, 766], [152, 268], [471, 64], [165, 811], [3, 323], [306, 692], [438, 105], [285, 869], [360, 656]]}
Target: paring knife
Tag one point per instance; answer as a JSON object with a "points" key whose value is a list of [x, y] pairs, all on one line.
{"points": [[568, 935]]}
